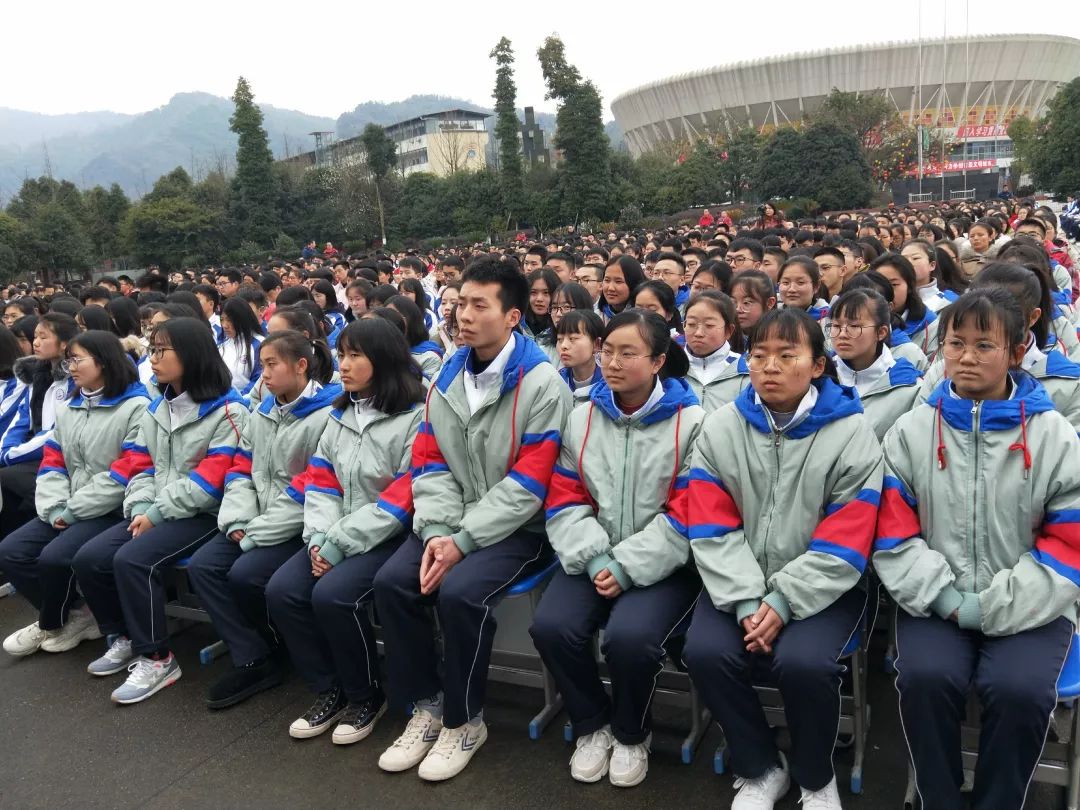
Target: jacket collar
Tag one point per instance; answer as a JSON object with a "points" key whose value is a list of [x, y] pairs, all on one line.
{"points": [[568, 376], [994, 414], [870, 375], [136, 389], [914, 327], [834, 402], [306, 405], [676, 394], [230, 396], [427, 346], [524, 357]]}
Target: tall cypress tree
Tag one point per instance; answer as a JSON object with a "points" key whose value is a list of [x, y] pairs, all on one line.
{"points": [[511, 175], [586, 168], [253, 205]]}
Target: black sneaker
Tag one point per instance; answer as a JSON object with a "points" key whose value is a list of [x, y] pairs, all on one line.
{"points": [[327, 708], [243, 682], [358, 720]]}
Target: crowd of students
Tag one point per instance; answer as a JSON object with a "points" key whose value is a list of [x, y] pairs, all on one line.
{"points": [[726, 438]]}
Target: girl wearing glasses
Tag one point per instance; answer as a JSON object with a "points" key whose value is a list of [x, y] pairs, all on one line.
{"points": [[978, 543], [899, 343], [23, 443], [784, 491], [1057, 374], [798, 284], [754, 294], [87, 462], [919, 323], [859, 327], [717, 373], [186, 443], [262, 515], [619, 530]]}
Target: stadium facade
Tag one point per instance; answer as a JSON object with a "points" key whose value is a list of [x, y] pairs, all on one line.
{"points": [[971, 88]]}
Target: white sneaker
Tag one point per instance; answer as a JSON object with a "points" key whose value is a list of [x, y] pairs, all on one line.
{"points": [[449, 756], [81, 626], [415, 741], [115, 659], [825, 799], [629, 763], [764, 792], [25, 641], [590, 761]]}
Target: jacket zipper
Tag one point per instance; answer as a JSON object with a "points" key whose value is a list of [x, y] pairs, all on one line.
{"points": [[622, 489], [975, 409]]}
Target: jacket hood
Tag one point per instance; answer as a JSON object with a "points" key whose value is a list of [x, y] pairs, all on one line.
{"points": [[677, 394], [568, 376], [427, 346], [899, 338], [1058, 365], [525, 356], [136, 389], [904, 373], [834, 403], [1028, 399], [29, 367], [306, 406]]}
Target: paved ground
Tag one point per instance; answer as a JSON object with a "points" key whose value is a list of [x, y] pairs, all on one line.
{"points": [[65, 745]]}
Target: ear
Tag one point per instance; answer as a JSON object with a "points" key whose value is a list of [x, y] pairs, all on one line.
{"points": [[513, 317], [818, 368], [1036, 314], [1017, 355]]}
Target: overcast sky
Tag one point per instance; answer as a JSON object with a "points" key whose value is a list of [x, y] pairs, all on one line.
{"points": [[326, 56]]}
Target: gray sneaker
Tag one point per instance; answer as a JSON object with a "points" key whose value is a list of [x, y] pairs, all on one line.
{"points": [[146, 678], [116, 659]]}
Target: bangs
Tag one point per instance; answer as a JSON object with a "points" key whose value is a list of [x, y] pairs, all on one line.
{"points": [[786, 325], [852, 305], [977, 311]]}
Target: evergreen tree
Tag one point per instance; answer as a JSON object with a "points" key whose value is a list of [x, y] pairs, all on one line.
{"points": [[253, 207], [1055, 159], [511, 174], [585, 171]]}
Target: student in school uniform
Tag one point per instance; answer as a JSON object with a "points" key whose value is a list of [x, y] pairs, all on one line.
{"points": [[616, 517], [578, 343], [928, 270], [299, 319], [859, 328], [427, 353], [978, 544], [798, 283], [239, 348], [187, 441], [357, 511], [717, 373], [261, 518], [1056, 373], [656, 296], [899, 343], [919, 322], [754, 294], [23, 443], [85, 468], [481, 466], [784, 490], [12, 392]]}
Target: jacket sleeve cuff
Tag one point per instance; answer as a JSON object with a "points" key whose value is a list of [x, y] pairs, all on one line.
{"points": [[435, 530], [746, 608], [331, 553], [55, 514], [969, 614], [246, 544], [140, 508], [153, 514], [620, 575], [598, 564], [778, 602], [947, 602], [68, 517], [464, 541], [236, 527]]}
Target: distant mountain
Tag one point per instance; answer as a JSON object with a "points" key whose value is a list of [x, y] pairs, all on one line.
{"points": [[22, 128], [192, 131]]}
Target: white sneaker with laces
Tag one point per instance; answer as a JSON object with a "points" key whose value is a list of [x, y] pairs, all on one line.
{"points": [[415, 741], [452, 752], [25, 641], [590, 760], [828, 798], [629, 763], [763, 792], [81, 626], [115, 659]]}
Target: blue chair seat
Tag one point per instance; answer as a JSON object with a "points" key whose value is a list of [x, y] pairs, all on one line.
{"points": [[1069, 679], [526, 584]]}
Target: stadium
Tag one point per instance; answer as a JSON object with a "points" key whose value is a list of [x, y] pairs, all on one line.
{"points": [[970, 87]]}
